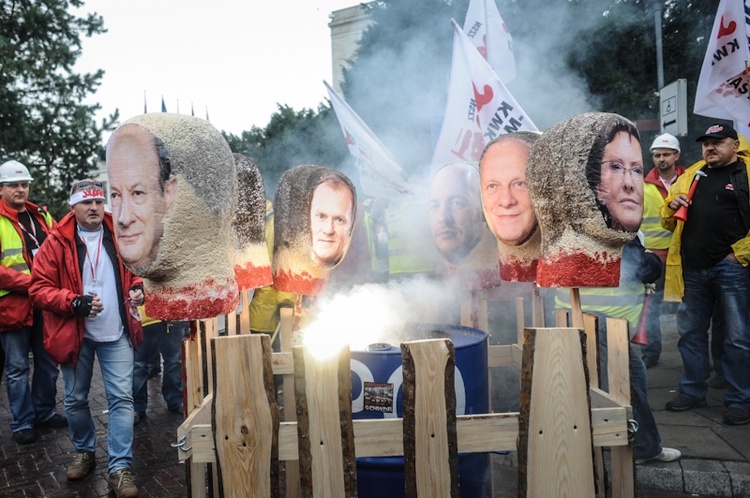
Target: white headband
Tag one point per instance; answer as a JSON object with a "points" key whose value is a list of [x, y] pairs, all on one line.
{"points": [[86, 195]]}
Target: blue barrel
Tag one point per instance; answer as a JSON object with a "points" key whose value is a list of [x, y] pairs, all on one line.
{"points": [[376, 393]]}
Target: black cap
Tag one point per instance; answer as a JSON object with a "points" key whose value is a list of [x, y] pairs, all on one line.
{"points": [[718, 131]]}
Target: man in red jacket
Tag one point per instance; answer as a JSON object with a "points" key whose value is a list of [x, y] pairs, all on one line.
{"points": [[23, 228], [89, 300]]}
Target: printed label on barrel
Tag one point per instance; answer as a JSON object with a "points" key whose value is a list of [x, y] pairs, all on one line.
{"points": [[378, 397]]}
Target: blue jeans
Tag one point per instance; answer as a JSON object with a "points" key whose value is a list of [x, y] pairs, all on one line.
{"points": [[38, 403], [166, 338], [116, 364], [727, 286], [647, 439]]}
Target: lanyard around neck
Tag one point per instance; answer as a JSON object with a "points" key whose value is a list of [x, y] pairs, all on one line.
{"points": [[31, 234], [94, 265]]}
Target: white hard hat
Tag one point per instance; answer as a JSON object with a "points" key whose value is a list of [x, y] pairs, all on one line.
{"points": [[665, 141], [13, 171]]}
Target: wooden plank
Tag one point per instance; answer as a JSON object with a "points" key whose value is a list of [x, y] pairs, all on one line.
{"points": [[555, 438], [286, 329], [499, 356], [282, 363], [520, 319], [476, 434], [199, 416], [245, 417], [193, 367], [537, 308], [244, 322], [561, 318], [429, 408], [618, 374], [591, 329], [324, 424], [576, 315]]}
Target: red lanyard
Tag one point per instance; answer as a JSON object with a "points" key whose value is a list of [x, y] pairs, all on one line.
{"points": [[94, 266], [33, 227]]}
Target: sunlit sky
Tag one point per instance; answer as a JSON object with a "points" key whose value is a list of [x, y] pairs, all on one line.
{"points": [[237, 59]]}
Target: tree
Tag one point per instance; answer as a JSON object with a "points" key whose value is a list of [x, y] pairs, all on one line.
{"points": [[292, 138], [43, 121]]}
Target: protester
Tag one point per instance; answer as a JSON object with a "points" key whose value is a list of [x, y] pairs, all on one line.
{"points": [[23, 228], [89, 299], [626, 301], [665, 152], [707, 268], [165, 338]]}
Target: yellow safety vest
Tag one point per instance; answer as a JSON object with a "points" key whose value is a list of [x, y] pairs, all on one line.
{"points": [[655, 235], [12, 250], [625, 301], [403, 256], [12, 247]]}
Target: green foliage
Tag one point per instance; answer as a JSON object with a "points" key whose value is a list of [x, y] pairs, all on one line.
{"points": [[43, 121], [292, 138]]}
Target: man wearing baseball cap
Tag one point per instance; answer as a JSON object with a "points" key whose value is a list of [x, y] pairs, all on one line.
{"points": [[23, 228], [665, 152], [707, 267], [89, 300]]}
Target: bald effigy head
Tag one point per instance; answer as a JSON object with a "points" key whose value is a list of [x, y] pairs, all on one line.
{"points": [[314, 212], [585, 179], [173, 194]]}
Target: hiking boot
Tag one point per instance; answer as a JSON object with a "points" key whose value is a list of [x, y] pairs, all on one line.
{"points": [[24, 436], [736, 416], [138, 417], [682, 403], [56, 421], [666, 455], [121, 483], [82, 465]]}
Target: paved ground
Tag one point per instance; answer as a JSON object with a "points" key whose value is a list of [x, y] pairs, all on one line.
{"points": [[716, 459], [39, 469]]}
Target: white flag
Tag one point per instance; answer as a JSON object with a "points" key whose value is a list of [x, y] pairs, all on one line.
{"points": [[487, 31], [380, 174], [479, 107], [723, 85]]}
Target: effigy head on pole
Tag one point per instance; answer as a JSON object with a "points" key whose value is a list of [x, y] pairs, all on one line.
{"points": [[585, 179], [459, 230], [173, 195], [507, 204], [315, 209]]}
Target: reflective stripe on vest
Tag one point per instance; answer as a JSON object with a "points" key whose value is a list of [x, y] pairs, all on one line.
{"points": [[12, 249], [625, 301], [655, 236]]}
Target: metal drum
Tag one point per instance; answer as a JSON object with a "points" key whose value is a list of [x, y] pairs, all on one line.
{"points": [[376, 393]]}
